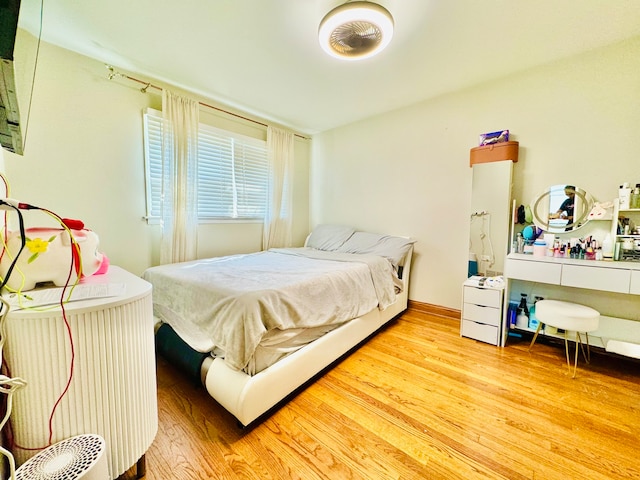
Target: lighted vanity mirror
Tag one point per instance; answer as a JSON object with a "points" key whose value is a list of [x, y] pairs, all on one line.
{"points": [[561, 208]]}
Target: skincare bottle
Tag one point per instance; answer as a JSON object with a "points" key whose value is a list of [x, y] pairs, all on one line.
{"points": [[533, 321], [539, 248], [635, 197], [624, 196], [512, 314], [520, 241]]}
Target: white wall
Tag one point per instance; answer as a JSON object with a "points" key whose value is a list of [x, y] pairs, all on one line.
{"points": [[407, 172], [84, 159]]}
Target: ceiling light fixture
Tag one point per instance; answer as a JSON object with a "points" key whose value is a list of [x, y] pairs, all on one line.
{"points": [[356, 30]]}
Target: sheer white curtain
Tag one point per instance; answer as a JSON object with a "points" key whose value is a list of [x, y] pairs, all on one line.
{"points": [[179, 178], [277, 221]]}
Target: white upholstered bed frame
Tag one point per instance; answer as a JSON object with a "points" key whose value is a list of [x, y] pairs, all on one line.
{"points": [[249, 397]]}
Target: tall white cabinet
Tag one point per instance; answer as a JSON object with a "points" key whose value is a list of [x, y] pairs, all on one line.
{"points": [[490, 221]]}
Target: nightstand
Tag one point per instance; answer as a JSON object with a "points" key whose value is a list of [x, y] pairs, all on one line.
{"points": [[482, 311]]}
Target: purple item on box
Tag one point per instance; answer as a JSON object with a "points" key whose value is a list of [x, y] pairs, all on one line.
{"points": [[494, 137]]}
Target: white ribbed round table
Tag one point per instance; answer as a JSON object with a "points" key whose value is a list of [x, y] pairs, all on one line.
{"points": [[113, 387]]}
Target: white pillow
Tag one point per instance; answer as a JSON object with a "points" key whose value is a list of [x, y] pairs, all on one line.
{"points": [[393, 248], [329, 237]]}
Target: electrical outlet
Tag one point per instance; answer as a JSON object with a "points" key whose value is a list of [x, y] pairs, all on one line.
{"points": [[485, 258]]}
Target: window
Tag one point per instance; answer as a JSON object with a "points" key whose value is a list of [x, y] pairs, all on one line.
{"points": [[233, 172]]}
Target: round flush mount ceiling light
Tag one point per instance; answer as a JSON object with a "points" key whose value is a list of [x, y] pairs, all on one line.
{"points": [[355, 30]]}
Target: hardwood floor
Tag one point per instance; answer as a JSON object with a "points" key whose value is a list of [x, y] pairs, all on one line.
{"points": [[417, 401]]}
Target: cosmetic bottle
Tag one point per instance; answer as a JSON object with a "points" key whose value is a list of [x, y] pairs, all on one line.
{"points": [[533, 321], [520, 241], [522, 321], [616, 250], [635, 197], [539, 248], [523, 305], [512, 313], [624, 196]]}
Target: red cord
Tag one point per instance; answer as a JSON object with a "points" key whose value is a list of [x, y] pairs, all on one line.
{"points": [[73, 350], [70, 335]]}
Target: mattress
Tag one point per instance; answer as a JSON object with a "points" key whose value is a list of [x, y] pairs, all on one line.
{"points": [[254, 309]]}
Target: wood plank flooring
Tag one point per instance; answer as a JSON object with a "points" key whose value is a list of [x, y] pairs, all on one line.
{"points": [[417, 401]]}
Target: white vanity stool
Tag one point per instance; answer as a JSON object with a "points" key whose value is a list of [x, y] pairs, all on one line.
{"points": [[569, 317]]}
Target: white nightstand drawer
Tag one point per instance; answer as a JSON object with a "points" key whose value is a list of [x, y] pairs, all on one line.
{"points": [[479, 331], [482, 296], [481, 314]]}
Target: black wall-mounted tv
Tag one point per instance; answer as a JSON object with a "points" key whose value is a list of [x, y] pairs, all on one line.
{"points": [[17, 69]]}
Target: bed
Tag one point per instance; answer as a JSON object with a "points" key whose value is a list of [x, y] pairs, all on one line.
{"points": [[255, 327]]}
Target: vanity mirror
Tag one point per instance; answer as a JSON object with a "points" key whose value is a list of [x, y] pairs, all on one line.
{"points": [[561, 208]]}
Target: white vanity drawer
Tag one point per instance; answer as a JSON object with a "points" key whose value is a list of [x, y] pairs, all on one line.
{"points": [[596, 278], [634, 288], [481, 314], [479, 331], [482, 296], [533, 271]]}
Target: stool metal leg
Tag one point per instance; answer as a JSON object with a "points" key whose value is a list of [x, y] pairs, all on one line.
{"points": [[535, 336], [587, 355], [575, 364], [566, 348]]}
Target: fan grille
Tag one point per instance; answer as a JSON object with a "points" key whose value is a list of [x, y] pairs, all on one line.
{"points": [[70, 458], [355, 38]]}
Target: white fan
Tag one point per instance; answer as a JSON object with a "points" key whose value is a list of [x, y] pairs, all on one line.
{"points": [[355, 30], [80, 457], [355, 38]]}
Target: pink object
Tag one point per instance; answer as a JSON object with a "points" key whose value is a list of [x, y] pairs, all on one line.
{"points": [[48, 256], [104, 267]]}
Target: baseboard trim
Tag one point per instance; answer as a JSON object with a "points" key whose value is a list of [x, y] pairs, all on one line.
{"points": [[432, 309]]}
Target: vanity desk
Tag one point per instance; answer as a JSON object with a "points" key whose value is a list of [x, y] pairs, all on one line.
{"points": [[611, 287]]}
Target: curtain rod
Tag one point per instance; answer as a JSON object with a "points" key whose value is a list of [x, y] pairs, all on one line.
{"points": [[113, 73]]}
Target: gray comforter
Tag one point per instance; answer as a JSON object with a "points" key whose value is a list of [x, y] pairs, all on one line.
{"points": [[230, 303]]}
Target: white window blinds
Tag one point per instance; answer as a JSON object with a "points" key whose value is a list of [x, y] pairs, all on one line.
{"points": [[232, 172]]}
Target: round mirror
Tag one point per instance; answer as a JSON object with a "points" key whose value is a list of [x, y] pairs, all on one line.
{"points": [[561, 208]]}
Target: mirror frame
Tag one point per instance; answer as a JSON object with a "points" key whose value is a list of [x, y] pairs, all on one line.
{"points": [[541, 218]]}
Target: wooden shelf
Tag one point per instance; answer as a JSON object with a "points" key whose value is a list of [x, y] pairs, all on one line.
{"points": [[495, 152]]}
